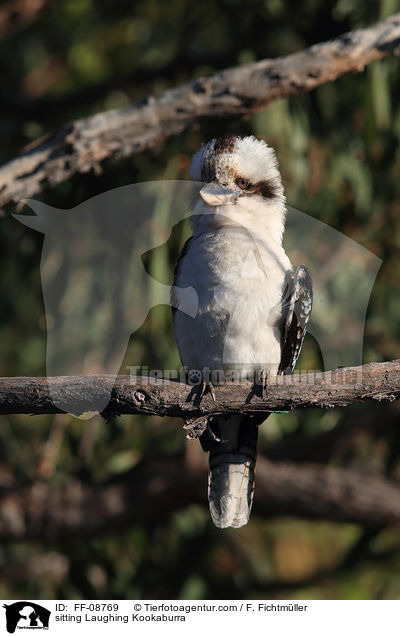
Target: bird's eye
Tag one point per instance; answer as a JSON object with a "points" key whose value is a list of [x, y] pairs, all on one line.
{"points": [[243, 183]]}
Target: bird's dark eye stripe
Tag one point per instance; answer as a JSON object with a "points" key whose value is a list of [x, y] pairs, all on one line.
{"points": [[264, 188]]}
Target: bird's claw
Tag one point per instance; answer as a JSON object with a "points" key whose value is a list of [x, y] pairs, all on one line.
{"points": [[263, 384], [207, 387]]}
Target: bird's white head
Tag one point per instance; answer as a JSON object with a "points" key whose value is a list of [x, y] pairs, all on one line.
{"points": [[242, 184]]}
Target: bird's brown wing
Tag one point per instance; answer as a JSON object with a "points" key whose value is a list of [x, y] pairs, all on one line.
{"points": [[181, 255], [297, 305]]}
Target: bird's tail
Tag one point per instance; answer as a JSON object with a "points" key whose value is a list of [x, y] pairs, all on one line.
{"points": [[232, 468]]}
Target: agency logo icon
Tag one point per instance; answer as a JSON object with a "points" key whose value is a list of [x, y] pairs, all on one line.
{"points": [[26, 615]]}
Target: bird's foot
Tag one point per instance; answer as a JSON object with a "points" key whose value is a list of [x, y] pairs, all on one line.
{"points": [[207, 387], [200, 386], [263, 384]]}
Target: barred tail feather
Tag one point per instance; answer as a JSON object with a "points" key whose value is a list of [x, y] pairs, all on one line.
{"points": [[232, 469], [230, 492]]}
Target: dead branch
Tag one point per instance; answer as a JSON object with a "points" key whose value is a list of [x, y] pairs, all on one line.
{"points": [[153, 490], [142, 395], [16, 14], [82, 145]]}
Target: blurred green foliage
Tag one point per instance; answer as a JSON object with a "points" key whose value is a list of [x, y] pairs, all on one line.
{"points": [[338, 150]]}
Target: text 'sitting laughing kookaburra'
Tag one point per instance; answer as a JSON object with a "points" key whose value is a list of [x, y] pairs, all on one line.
{"points": [[253, 308]]}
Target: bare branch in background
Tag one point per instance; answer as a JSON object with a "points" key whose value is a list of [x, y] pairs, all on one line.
{"points": [[155, 489], [82, 145], [16, 14]]}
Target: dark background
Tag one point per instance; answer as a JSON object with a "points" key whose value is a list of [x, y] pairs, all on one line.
{"points": [[338, 150]]}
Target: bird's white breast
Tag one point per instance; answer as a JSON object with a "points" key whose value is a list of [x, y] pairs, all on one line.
{"points": [[239, 277]]}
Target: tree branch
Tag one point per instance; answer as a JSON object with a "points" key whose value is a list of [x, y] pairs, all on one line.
{"points": [[150, 396], [153, 490], [16, 14], [82, 145]]}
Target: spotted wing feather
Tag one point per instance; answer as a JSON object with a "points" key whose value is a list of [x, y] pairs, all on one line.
{"points": [[297, 305]]}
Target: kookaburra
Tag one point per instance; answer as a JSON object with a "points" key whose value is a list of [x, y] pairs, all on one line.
{"points": [[252, 307]]}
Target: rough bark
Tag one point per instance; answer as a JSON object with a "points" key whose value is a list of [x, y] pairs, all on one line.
{"points": [[152, 491], [151, 396], [82, 145]]}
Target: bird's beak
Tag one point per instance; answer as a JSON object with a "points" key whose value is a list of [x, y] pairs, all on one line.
{"points": [[217, 194]]}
